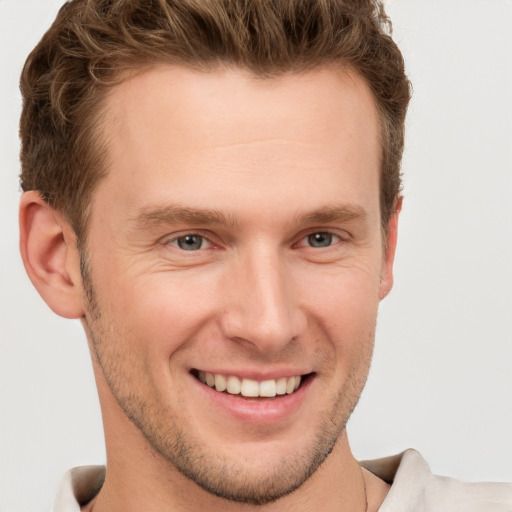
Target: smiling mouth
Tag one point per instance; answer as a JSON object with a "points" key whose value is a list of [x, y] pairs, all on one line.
{"points": [[250, 388]]}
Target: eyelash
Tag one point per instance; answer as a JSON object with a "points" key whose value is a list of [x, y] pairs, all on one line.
{"points": [[332, 239], [176, 241], [325, 234]]}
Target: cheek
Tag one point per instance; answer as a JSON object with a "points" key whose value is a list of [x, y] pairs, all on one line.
{"points": [[344, 304], [350, 291], [161, 311]]}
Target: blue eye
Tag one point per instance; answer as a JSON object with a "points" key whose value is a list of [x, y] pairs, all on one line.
{"points": [[190, 242], [321, 239]]}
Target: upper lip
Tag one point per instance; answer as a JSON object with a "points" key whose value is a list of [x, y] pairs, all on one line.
{"points": [[257, 375]]}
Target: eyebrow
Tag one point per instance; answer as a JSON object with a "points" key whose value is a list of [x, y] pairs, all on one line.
{"points": [[175, 214], [152, 217], [344, 213]]}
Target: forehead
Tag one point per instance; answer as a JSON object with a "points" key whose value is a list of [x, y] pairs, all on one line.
{"points": [[171, 130], [234, 98]]}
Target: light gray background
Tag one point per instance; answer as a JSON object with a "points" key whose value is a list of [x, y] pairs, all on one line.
{"points": [[442, 374]]}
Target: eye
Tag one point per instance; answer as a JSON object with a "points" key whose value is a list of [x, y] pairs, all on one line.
{"points": [[322, 239], [190, 242]]}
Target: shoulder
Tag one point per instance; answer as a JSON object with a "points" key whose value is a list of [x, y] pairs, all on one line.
{"points": [[468, 497], [78, 487], [415, 488]]}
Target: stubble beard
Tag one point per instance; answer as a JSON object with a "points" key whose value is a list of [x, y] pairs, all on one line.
{"points": [[228, 477]]}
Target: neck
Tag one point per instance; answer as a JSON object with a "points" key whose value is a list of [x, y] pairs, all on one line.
{"points": [[139, 478]]}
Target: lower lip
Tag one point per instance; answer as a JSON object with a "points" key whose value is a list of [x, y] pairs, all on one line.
{"points": [[257, 411]]}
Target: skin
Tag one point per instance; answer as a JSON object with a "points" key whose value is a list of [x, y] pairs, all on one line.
{"points": [[254, 169]]}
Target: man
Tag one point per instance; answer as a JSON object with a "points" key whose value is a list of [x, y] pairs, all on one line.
{"points": [[214, 191]]}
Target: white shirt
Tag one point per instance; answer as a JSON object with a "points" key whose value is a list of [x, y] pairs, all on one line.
{"points": [[414, 488]]}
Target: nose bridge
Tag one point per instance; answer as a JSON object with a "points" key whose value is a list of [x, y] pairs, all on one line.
{"points": [[262, 308]]}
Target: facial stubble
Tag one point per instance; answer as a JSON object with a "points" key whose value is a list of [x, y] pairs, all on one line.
{"points": [[228, 477]]}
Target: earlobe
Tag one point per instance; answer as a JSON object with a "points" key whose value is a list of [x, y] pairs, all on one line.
{"points": [[386, 280], [50, 256]]}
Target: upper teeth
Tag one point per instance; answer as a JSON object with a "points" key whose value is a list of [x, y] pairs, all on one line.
{"points": [[250, 387]]}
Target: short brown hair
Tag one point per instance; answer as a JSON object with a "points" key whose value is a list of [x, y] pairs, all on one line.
{"points": [[94, 44]]}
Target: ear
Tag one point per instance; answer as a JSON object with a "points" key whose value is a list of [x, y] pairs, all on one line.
{"points": [[386, 277], [49, 253]]}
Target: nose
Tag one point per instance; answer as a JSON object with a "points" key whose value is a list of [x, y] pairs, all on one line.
{"points": [[261, 308]]}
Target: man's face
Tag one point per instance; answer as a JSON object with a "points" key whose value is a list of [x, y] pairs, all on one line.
{"points": [[236, 239]]}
